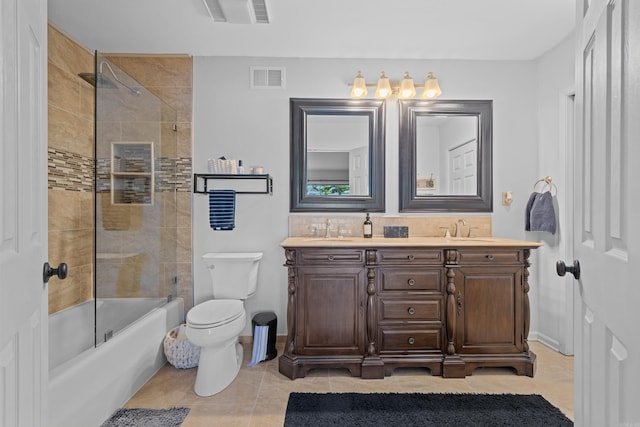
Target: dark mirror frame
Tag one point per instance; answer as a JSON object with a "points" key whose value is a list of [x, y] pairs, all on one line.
{"points": [[410, 110], [300, 109]]}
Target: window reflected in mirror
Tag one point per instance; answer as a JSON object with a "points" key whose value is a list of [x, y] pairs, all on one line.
{"points": [[337, 155]]}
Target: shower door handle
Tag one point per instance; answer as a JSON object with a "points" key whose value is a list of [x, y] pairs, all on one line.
{"points": [[49, 271]]}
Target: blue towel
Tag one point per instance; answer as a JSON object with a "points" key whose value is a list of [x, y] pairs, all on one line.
{"points": [[540, 214], [260, 336], [222, 209]]}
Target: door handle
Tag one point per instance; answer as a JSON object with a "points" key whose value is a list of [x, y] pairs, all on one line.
{"points": [[49, 271], [561, 269]]}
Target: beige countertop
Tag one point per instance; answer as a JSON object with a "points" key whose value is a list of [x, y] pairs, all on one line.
{"points": [[452, 242]]}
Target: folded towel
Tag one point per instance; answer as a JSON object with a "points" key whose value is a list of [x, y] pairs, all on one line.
{"points": [[527, 212], [541, 215], [222, 209]]}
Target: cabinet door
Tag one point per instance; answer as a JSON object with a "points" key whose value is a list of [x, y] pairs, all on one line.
{"points": [[489, 301], [330, 318]]}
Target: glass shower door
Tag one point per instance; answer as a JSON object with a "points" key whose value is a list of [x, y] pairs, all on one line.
{"points": [[136, 213]]}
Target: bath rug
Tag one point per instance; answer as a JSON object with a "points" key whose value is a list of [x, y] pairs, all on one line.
{"points": [[140, 417], [416, 409]]}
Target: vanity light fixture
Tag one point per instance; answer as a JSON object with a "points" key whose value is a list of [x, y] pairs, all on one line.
{"points": [[359, 87], [404, 90], [431, 87], [407, 88], [383, 89]]}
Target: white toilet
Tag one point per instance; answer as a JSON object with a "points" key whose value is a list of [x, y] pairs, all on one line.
{"points": [[216, 324]]}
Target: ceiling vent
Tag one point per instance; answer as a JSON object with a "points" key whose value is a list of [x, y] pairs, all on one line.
{"points": [[238, 11], [260, 11], [267, 77]]}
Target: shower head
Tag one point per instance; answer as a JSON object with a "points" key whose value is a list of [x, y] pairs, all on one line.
{"points": [[104, 82]]}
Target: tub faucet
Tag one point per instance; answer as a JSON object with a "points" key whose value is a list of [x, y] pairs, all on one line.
{"points": [[459, 225]]}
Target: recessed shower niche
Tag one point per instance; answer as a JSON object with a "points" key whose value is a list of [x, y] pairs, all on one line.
{"points": [[132, 173]]}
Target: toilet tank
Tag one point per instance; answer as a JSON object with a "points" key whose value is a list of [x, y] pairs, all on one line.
{"points": [[234, 275]]}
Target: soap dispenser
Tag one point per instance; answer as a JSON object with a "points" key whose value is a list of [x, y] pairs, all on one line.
{"points": [[368, 227]]}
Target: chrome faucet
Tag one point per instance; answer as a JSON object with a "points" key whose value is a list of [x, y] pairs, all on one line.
{"points": [[327, 233], [459, 225]]}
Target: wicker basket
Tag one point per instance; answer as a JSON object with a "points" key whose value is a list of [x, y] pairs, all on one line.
{"points": [[180, 352]]}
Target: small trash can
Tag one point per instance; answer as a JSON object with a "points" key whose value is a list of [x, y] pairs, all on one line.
{"points": [[269, 319]]}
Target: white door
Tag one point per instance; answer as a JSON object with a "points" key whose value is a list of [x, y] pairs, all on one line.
{"points": [[606, 225], [463, 169], [359, 171], [23, 213]]}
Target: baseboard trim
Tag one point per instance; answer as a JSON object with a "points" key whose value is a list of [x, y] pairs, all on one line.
{"points": [[548, 341]]}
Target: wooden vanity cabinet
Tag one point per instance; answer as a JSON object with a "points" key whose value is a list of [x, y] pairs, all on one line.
{"points": [[492, 310], [326, 311], [410, 308], [374, 309], [330, 311]]}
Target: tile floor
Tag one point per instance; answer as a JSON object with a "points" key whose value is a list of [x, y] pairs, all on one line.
{"points": [[258, 396]]}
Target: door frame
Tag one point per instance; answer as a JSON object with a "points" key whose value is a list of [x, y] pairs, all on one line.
{"points": [[567, 137]]}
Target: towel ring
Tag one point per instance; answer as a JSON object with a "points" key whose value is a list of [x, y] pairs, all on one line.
{"points": [[548, 180]]}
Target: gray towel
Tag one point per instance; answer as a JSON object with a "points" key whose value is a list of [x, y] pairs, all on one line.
{"points": [[540, 214]]}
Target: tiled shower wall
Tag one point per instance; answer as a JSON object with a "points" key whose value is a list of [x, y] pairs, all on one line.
{"points": [[71, 213], [71, 160]]}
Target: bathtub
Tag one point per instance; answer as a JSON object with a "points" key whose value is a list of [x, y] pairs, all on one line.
{"points": [[86, 383]]}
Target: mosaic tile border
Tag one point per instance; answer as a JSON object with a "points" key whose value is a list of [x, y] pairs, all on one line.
{"points": [[73, 172], [169, 172], [69, 171]]}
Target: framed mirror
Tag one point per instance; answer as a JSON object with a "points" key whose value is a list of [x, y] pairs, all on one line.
{"points": [[445, 155], [337, 155]]}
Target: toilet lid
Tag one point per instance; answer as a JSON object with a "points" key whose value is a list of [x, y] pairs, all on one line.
{"points": [[216, 312]]}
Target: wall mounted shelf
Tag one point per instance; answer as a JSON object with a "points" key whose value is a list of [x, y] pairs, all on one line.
{"points": [[241, 184]]}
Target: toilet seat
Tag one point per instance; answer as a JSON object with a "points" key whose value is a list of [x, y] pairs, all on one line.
{"points": [[215, 313]]}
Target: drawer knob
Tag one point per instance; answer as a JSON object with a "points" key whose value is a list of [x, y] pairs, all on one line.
{"points": [[490, 257], [412, 310], [411, 341], [411, 257], [411, 282], [330, 258]]}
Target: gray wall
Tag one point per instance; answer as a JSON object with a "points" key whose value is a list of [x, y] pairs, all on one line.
{"points": [[233, 120], [553, 295]]}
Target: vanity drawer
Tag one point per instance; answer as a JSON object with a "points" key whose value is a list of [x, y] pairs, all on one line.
{"points": [[396, 279], [330, 256], [489, 256], [410, 310], [410, 339], [409, 256]]}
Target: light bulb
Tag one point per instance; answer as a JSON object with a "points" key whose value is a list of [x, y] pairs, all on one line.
{"points": [[383, 90], [407, 89], [431, 87], [359, 88]]}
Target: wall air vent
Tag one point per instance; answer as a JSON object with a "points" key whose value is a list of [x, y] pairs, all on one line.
{"points": [[238, 11], [267, 77]]}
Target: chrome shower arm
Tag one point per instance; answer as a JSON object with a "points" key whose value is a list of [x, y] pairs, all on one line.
{"points": [[133, 90]]}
